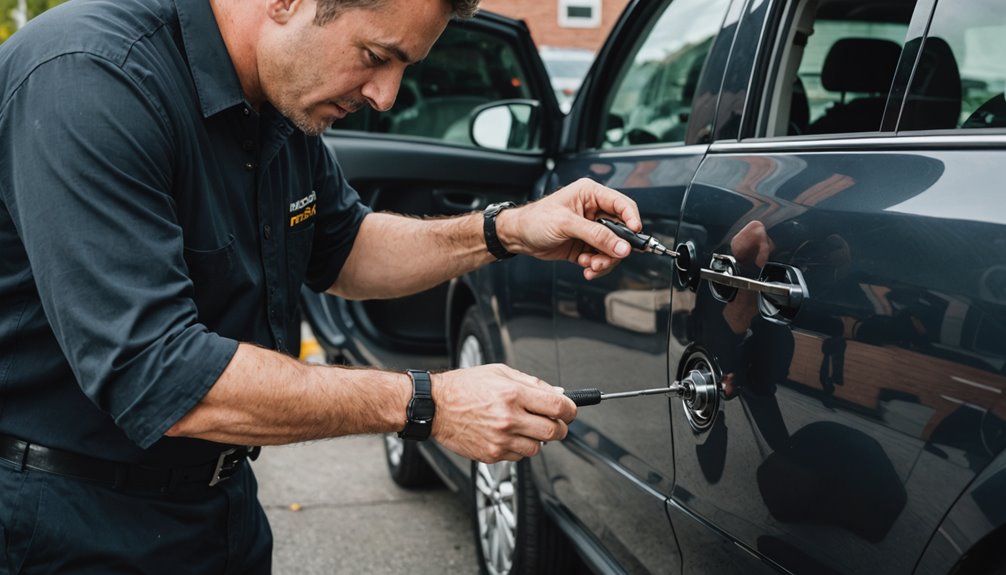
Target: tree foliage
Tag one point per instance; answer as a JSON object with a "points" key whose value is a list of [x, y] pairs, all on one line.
{"points": [[7, 8]]}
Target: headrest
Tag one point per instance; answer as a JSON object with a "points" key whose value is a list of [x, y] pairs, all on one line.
{"points": [[860, 65], [934, 100]]}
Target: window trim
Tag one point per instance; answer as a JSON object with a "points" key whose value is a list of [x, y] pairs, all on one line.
{"points": [[566, 21], [865, 142]]}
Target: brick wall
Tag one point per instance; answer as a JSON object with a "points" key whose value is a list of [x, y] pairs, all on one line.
{"points": [[542, 17]]}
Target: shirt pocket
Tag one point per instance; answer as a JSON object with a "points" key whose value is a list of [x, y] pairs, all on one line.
{"points": [[211, 272]]}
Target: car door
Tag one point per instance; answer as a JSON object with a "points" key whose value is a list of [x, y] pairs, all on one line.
{"points": [[419, 159], [846, 332], [630, 130]]}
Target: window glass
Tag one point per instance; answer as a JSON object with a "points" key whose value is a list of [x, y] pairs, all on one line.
{"points": [[465, 69], [961, 74], [826, 34], [837, 66], [652, 98]]}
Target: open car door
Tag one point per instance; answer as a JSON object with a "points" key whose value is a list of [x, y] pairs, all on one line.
{"points": [[419, 159]]}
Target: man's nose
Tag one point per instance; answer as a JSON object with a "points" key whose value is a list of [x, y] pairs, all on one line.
{"points": [[382, 90]]}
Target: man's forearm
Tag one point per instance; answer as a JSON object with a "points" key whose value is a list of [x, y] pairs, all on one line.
{"points": [[266, 398], [395, 256]]}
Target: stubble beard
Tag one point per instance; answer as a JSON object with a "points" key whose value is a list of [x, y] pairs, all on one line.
{"points": [[312, 125]]}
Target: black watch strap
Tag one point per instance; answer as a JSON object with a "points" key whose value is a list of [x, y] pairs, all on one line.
{"points": [[419, 416], [489, 230]]}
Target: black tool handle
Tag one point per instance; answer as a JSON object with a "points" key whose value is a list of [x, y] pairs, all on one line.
{"points": [[583, 397], [637, 241]]}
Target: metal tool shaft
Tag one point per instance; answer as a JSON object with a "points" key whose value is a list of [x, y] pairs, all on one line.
{"points": [[656, 391], [593, 396]]}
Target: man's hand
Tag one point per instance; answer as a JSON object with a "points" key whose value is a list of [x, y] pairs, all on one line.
{"points": [[563, 226], [493, 413]]}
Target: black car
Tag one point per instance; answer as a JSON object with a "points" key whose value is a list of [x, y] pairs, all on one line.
{"points": [[827, 171]]}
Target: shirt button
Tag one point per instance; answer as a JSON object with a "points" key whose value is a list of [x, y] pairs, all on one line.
{"points": [[250, 167], [246, 111], [267, 231]]}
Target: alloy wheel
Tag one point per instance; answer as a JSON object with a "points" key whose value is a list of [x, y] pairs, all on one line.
{"points": [[396, 447], [470, 353], [496, 511]]}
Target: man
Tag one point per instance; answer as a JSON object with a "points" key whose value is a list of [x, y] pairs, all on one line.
{"points": [[164, 195]]}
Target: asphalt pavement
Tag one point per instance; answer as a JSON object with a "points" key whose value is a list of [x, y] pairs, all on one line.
{"points": [[334, 509]]}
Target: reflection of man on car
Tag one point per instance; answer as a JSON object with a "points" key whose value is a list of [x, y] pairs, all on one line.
{"points": [[823, 473]]}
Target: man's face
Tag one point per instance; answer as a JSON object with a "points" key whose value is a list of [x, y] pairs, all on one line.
{"points": [[315, 75]]}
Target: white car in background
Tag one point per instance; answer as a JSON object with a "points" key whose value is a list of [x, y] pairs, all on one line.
{"points": [[566, 68]]}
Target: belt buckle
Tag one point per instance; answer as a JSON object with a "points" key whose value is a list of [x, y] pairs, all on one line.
{"points": [[227, 465]]}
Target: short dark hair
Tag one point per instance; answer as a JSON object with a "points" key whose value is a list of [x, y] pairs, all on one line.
{"points": [[329, 10]]}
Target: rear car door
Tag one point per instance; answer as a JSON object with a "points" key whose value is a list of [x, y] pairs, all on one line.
{"points": [[855, 384], [419, 159], [639, 126]]}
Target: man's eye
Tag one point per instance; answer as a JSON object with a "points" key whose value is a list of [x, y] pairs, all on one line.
{"points": [[374, 58]]}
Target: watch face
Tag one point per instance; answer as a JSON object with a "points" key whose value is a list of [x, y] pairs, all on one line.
{"points": [[493, 209], [421, 409]]}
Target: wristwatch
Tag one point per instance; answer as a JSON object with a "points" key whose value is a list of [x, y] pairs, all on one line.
{"points": [[419, 415], [489, 230]]}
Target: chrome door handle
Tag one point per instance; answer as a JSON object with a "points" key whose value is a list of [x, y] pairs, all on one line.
{"points": [[739, 282], [781, 288]]}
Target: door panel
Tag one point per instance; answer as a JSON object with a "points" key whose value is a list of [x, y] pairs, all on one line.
{"points": [[615, 470], [612, 334], [428, 179], [846, 434]]}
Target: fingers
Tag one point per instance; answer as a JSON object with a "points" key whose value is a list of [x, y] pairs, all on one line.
{"points": [[597, 201], [596, 265], [506, 415], [519, 447], [598, 237], [609, 201]]}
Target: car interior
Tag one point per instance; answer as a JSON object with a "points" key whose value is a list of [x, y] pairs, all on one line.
{"points": [[838, 62], [961, 71], [836, 66]]}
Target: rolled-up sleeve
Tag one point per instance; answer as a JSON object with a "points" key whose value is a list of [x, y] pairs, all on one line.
{"points": [[90, 194]]}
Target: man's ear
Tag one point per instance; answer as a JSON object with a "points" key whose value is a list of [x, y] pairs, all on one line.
{"points": [[282, 11]]}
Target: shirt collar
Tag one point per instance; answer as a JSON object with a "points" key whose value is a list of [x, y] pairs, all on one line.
{"points": [[212, 69]]}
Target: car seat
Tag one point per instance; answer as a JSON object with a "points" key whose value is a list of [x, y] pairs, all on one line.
{"points": [[862, 66], [991, 114], [934, 100], [799, 109]]}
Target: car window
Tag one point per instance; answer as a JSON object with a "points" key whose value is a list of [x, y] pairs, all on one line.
{"points": [[466, 69], [652, 97], [836, 66], [961, 72]]}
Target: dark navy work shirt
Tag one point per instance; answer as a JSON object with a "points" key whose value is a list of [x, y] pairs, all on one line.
{"points": [[149, 220]]}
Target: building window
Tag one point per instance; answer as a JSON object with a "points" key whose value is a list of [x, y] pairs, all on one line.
{"points": [[579, 13]]}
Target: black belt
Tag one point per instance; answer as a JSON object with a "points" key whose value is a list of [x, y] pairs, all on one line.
{"points": [[123, 475]]}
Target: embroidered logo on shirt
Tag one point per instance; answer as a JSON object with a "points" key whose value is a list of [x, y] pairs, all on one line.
{"points": [[307, 204]]}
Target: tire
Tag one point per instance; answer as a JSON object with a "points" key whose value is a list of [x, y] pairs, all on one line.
{"points": [[513, 536], [406, 465], [512, 533], [473, 346]]}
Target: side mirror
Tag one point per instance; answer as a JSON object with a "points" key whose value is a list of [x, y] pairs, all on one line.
{"points": [[507, 125]]}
